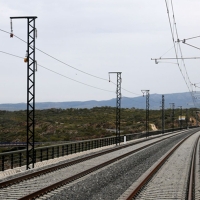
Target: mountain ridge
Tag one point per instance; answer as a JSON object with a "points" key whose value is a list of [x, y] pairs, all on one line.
{"points": [[180, 99]]}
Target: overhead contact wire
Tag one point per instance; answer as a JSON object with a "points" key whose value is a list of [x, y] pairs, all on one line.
{"points": [[191, 91], [67, 64], [176, 50], [59, 60], [59, 73], [178, 44], [71, 78]]}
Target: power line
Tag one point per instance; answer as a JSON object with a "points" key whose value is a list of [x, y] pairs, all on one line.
{"points": [[196, 86], [191, 45], [175, 58], [73, 79], [68, 64], [178, 44], [59, 73], [191, 38], [58, 59], [172, 33], [11, 54], [151, 100], [167, 51], [68, 77]]}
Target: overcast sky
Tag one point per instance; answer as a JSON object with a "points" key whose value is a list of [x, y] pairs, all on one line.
{"points": [[97, 37]]}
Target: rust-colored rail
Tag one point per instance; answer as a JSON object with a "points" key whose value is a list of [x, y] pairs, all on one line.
{"points": [[151, 174]]}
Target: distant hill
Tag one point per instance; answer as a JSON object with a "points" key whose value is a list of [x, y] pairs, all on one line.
{"points": [[180, 99]]}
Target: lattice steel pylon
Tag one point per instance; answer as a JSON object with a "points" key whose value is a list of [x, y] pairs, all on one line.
{"points": [[163, 114], [147, 111], [31, 65], [118, 106]]}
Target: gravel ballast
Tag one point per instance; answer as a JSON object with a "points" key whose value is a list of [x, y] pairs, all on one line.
{"points": [[110, 182]]}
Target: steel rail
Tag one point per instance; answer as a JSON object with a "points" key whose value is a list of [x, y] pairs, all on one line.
{"points": [[63, 165], [54, 186], [191, 184], [150, 175]]}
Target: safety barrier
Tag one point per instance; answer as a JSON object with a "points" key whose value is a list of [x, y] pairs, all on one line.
{"points": [[10, 160]]}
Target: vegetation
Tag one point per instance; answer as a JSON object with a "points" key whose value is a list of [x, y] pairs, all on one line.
{"points": [[78, 124]]}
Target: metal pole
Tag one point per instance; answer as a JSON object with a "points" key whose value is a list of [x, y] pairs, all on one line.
{"points": [[147, 111], [163, 114], [172, 114], [186, 120], [173, 107], [181, 122], [118, 106], [180, 119], [196, 118], [30, 156]]}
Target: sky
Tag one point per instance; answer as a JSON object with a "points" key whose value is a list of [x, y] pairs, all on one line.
{"points": [[98, 37]]}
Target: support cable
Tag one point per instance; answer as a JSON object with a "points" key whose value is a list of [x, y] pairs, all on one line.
{"points": [[191, 38], [71, 78], [70, 65], [58, 59], [191, 45], [163, 114], [178, 43], [176, 50], [167, 51], [59, 73]]}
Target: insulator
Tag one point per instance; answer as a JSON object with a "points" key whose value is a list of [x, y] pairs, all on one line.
{"points": [[26, 57], [11, 33], [36, 65], [36, 32], [11, 25]]}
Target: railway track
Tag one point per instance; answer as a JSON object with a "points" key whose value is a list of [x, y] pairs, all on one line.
{"points": [[38, 183], [172, 177], [30, 174]]}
